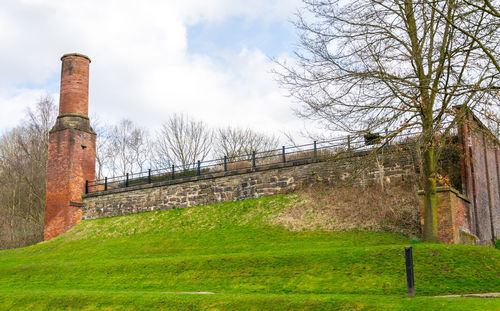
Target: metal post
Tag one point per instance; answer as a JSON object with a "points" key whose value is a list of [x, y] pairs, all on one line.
{"points": [[315, 153], [283, 154], [86, 187], [409, 271], [149, 176], [199, 170], [225, 163], [386, 138], [173, 172], [105, 183], [253, 159], [126, 182], [349, 143]]}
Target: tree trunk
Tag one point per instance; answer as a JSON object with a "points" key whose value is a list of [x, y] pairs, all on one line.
{"points": [[430, 198]]}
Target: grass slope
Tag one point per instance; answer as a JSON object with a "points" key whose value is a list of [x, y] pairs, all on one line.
{"points": [[234, 250]]}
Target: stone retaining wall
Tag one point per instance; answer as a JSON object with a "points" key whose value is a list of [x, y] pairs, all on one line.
{"points": [[245, 183]]}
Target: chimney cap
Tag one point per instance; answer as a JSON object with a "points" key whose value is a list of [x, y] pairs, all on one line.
{"points": [[76, 54]]}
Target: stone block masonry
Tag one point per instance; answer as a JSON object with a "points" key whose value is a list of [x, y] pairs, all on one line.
{"points": [[236, 185]]}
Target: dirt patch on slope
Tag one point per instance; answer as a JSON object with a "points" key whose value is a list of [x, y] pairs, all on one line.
{"points": [[354, 208]]}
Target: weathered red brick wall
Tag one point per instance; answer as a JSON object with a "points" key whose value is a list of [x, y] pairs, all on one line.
{"points": [[481, 178], [445, 217], [479, 193], [493, 185], [461, 220], [74, 92], [68, 167], [452, 215], [71, 159]]}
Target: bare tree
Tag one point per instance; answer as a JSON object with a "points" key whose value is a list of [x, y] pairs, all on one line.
{"points": [[182, 141], [104, 154], [121, 148], [128, 149], [490, 7], [235, 142], [23, 165], [367, 65], [478, 17], [140, 149], [125, 147]]}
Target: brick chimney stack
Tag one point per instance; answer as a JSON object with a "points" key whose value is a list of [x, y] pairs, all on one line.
{"points": [[71, 159], [74, 84]]}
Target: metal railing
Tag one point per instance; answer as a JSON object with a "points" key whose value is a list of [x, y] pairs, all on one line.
{"points": [[343, 147]]}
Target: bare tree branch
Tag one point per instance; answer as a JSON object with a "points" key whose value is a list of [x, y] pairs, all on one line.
{"points": [[182, 141]]}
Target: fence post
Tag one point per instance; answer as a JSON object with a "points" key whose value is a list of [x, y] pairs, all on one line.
{"points": [[199, 170], [253, 159], [105, 183], [126, 181], [149, 176], [86, 187], [409, 271], [173, 172], [225, 163], [386, 138], [315, 153], [283, 154], [349, 143]]}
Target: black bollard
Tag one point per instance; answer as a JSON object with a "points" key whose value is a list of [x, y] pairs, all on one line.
{"points": [[409, 271]]}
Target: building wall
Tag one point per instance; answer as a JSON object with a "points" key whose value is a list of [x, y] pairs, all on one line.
{"points": [[481, 178]]}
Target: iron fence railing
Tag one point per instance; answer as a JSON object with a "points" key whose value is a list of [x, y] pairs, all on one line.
{"points": [[347, 146]]}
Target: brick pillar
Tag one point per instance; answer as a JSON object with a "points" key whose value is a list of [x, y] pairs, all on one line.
{"points": [[71, 158], [453, 222]]}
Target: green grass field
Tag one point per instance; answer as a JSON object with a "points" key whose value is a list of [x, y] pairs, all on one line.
{"points": [[238, 252]]}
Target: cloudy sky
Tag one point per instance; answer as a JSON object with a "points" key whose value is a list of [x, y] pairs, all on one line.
{"points": [[210, 59]]}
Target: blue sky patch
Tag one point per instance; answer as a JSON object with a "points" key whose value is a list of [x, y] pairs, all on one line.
{"points": [[272, 38]]}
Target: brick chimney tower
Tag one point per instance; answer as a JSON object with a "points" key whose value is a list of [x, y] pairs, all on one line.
{"points": [[71, 159]]}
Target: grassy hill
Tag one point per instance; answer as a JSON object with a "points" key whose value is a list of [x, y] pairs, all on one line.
{"points": [[239, 252]]}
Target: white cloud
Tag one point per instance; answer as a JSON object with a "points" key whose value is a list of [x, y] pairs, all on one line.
{"points": [[14, 105], [140, 65], [216, 10]]}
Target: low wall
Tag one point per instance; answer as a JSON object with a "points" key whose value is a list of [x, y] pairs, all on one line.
{"points": [[244, 183], [454, 224]]}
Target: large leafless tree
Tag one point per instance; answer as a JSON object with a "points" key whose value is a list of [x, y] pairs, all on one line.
{"points": [[236, 142], [23, 165], [366, 66], [126, 146], [182, 141]]}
